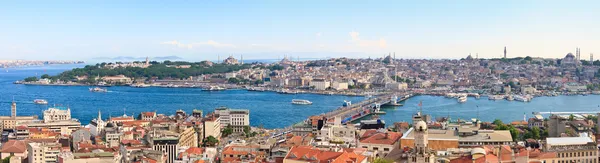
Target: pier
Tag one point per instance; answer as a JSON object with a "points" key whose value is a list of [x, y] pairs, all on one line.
{"points": [[367, 107]]}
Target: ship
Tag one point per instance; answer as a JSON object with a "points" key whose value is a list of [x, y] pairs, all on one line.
{"points": [[98, 89], [40, 101], [301, 102], [495, 97], [462, 99], [214, 88], [140, 85], [524, 98], [347, 103]]}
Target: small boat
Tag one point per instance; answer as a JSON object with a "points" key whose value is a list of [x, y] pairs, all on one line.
{"points": [[40, 101], [523, 98], [509, 98], [140, 86], [347, 103], [462, 99], [98, 89], [214, 88], [301, 102]]}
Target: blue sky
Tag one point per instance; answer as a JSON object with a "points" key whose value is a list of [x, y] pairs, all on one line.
{"points": [[201, 30]]}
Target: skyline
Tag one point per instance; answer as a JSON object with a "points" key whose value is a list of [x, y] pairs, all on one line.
{"points": [[308, 29]]}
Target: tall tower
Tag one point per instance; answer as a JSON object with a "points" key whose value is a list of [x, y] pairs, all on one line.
{"points": [[13, 109], [577, 54], [591, 58], [99, 115], [147, 61], [421, 153], [504, 51]]}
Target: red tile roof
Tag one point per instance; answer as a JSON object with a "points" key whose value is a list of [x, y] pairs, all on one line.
{"points": [[307, 153], [14, 146], [374, 137]]}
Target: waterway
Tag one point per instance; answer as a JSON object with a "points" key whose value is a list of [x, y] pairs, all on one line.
{"points": [[269, 109]]}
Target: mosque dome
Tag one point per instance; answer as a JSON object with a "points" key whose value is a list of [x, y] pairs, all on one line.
{"points": [[421, 126]]}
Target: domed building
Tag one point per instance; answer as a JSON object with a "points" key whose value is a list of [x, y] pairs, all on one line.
{"points": [[421, 152], [569, 60]]}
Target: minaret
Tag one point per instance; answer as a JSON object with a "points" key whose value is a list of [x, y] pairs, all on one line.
{"points": [[13, 109], [242, 59], [147, 61], [99, 115], [504, 51], [591, 58]]}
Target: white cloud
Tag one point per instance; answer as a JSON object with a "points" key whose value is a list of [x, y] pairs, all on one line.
{"points": [[381, 43], [192, 45], [319, 34], [216, 44]]}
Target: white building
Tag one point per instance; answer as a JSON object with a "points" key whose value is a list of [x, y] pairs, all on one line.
{"points": [[236, 118], [319, 84], [573, 149], [56, 114], [230, 75], [212, 126], [339, 85], [396, 86], [338, 133], [43, 152], [97, 125]]}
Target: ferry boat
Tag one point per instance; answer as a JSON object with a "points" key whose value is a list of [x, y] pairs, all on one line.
{"points": [[524, 98], [214, 88], [40, 101], [301, 102], [98, 89], [462, 99], [496, 97], [140, 85]]}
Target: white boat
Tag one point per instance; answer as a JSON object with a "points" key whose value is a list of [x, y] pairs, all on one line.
{"points": [[40, 101], [524, 98], [214, 88], [510, 98], [301, 102], [347, 103], [495, 97], [98, 89], [462, 99], [140, 85]]}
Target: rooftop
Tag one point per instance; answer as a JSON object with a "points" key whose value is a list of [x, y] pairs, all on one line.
{"points": [[568, 141]]}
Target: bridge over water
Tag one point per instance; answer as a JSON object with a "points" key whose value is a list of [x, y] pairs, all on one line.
{"points": [[366, 107]]}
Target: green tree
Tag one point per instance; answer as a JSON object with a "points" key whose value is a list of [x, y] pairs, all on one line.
{"points": [[528, 58], [31, 79], [45, 76], [7, 159], [210, 141], [227, 131], [571, 117], [90, 80], [514, 132], [233, 80], [498, 122], [247, 131], [535, 132]]}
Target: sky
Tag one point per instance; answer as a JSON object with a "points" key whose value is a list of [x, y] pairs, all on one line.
{"points": [[208, 30]]}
